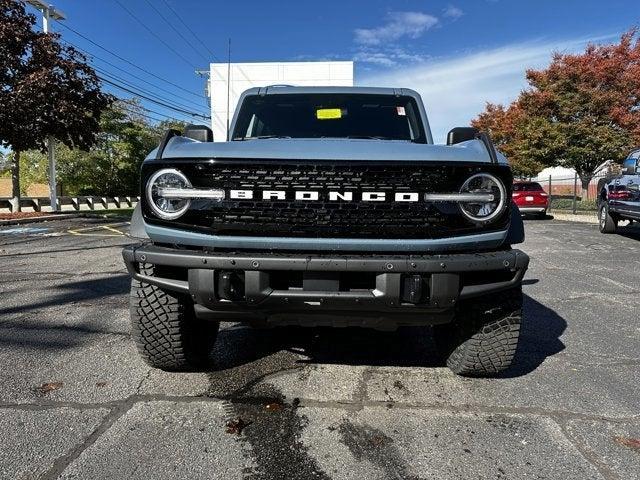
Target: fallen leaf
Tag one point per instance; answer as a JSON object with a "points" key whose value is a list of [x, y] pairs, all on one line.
{"points": [[101, 384], [273, 407], [48, 387], [632, 443], [236, 426]]}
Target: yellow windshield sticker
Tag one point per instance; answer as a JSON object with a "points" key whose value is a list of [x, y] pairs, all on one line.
{"points": [[328, 113]]}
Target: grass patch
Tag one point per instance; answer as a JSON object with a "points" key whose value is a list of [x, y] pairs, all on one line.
{"points": [[567, 204], [113, 213]]}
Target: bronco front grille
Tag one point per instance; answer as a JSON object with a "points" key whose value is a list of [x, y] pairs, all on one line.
{"points": [[322, 218]]}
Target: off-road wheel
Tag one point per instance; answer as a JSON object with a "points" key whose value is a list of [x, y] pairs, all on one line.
{"points": [[166, 331], [482, 340], [607, 222]]}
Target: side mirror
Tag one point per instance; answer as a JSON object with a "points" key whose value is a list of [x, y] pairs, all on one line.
{"points": [[201, 133], [462, 134]]}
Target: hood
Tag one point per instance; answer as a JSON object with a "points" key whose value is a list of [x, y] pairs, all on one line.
{"points": [[326, 149]]}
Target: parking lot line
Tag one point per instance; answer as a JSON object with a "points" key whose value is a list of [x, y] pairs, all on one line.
{"points": [[95, 231]]}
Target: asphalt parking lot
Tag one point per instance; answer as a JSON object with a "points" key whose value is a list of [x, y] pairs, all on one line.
{"points": [[76, 401]]}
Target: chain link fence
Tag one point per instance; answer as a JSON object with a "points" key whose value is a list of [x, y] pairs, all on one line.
{"points": [[566, 193]]}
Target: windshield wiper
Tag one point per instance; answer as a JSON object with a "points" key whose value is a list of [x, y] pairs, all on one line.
{"points": [[262, 137], [372, 137]]}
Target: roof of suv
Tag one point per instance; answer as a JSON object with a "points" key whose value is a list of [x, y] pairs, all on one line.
{"points": [[290, 89]]}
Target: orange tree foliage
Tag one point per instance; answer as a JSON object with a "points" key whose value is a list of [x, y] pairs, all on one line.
{"points": [[579, 112]]}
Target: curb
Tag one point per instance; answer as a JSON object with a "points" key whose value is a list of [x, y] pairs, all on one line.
{"points": [[43, 218], [589, 217], [58, 216]]}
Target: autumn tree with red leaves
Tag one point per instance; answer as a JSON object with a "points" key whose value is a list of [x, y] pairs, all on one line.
{"points": [[46, 88], [579, 112]]}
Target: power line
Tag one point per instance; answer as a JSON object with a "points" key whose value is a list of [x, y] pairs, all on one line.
{"points": [[137, 77], [190, 31], [149, 117], [116, 78], [128, 103], [128, 61], [175, 29], [126, 106], [154, 34], [154, 97], [162, 104]]}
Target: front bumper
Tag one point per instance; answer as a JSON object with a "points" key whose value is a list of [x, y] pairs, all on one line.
{"points": [[409, 289]]}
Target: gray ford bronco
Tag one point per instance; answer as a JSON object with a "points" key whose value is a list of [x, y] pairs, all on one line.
{"points": [[328, 206]]}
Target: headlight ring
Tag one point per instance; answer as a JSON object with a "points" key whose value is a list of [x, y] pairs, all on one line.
{"points": [[483, 212], [167, 208]]}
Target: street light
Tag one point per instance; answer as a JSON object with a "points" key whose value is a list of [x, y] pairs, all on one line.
{"points": [[49, 12]]}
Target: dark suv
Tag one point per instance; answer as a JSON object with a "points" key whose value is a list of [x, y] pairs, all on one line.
{"points": [[620, 198]]}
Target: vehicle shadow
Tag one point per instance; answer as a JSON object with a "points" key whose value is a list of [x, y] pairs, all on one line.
{"points": [[406, 347], [540, 334], [537, 217], [629, 231], [71, 293], [33, 320]]}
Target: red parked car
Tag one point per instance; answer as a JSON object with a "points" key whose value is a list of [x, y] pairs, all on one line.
{"points": [[530, 197]]}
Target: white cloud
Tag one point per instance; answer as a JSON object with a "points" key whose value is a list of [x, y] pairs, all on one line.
{"points": [[399, 24], [456, 89], [452, 12], [387, 57]]}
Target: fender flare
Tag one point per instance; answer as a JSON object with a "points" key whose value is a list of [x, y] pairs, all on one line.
{"points": [[515, 233], [137, 228]]}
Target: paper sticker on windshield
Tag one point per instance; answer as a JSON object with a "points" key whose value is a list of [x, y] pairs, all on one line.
{"points": [[401, 111], [329, 113]]}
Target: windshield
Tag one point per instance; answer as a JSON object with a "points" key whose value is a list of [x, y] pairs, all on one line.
{"points": [[366, 116]]}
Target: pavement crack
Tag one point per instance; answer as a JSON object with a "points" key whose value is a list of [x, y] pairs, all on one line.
{"points": [[61, 463], [360, 394], [248, 395], [144, 378], [587, 454]]}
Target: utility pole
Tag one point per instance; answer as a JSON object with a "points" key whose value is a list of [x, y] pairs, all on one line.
{"points": [[228, 85], [49, 12]]}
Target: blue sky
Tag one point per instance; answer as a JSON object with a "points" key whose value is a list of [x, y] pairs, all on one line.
{"points": [[457, 54]]}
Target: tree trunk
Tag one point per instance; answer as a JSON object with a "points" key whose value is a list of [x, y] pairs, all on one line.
{"points": [[585, 180], [15, 181]]}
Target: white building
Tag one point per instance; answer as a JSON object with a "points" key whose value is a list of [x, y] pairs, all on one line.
{"points": [[242, 76]]}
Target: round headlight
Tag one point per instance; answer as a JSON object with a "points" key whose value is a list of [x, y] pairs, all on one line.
{"points": [[167, 208], [483, 210]]}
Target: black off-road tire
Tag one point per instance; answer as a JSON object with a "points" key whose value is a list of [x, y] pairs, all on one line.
{"points": [[483, 338], [165, 329], [607, 222]]}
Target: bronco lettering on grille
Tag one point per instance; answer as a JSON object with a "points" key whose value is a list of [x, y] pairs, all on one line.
{"points": [[331, 196]]}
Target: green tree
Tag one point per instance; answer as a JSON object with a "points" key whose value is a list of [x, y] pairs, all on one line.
{"points": [[46, 89], [579, 112], [112, 166]]}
